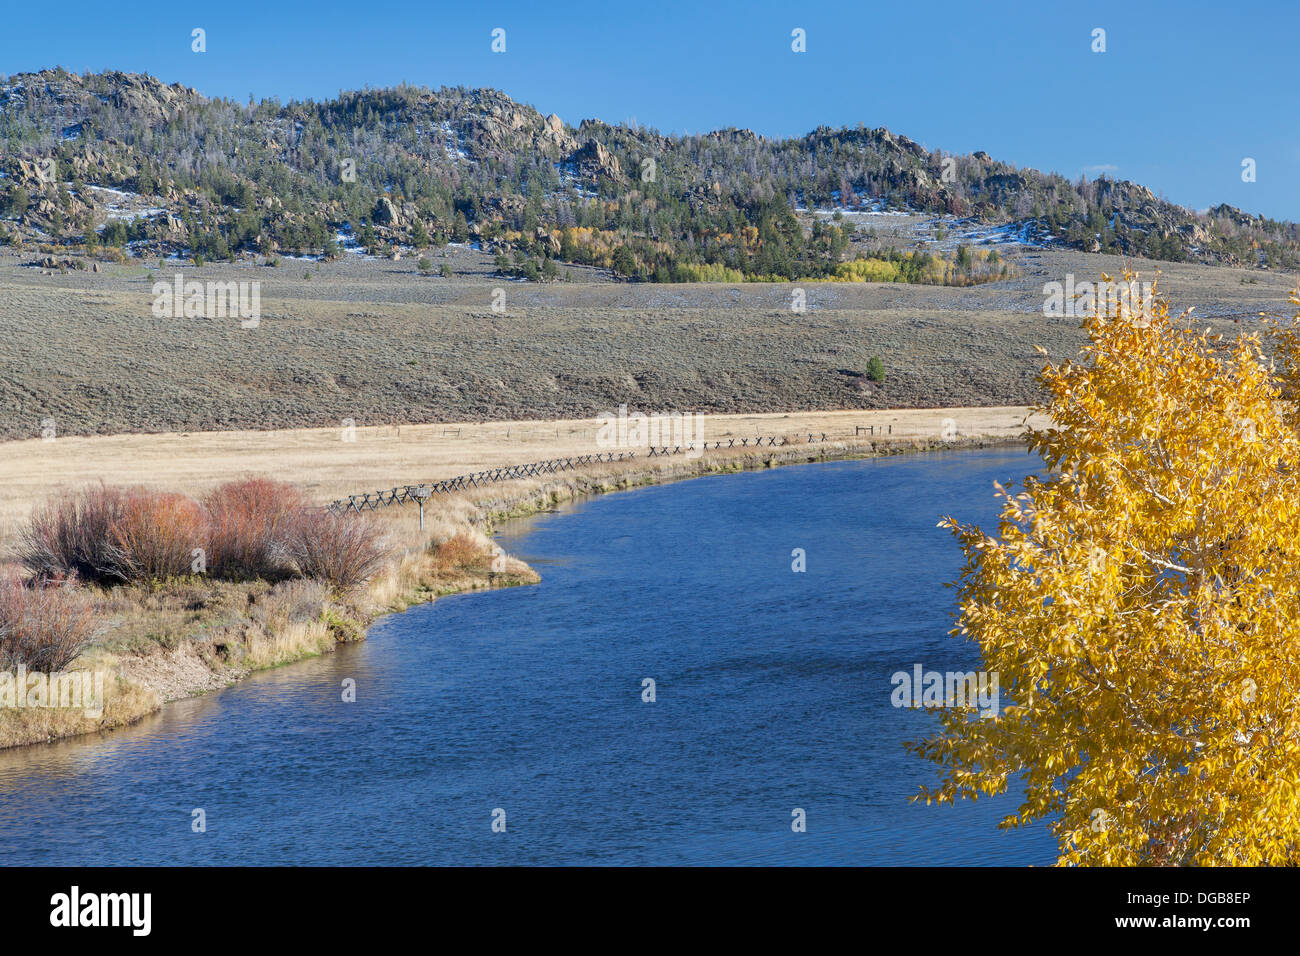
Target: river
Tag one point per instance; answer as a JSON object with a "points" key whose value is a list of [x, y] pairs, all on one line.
{"points": [[525, 706]]}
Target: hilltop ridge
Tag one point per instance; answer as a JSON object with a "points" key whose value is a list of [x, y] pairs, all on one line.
{"points": [[127, 161]]}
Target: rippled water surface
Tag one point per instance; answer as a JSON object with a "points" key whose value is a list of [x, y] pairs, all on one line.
{"points": [[773, 693]]}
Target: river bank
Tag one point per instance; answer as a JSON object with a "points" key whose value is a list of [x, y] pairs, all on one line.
{"points": [[183, 639]]}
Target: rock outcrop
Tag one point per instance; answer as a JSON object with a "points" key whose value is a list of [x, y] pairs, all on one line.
{"points": [[594, 161]]}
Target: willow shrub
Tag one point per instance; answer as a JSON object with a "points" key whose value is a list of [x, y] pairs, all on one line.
{"points": [[249, 529], [250, 522], [43, 628], [344, 551]]}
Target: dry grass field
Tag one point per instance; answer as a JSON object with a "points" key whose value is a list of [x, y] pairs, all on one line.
{"points": [[325, 464]]}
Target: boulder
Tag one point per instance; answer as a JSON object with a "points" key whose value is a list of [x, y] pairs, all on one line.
{"points": [[547, 241], [594, 161], [386, 214]]}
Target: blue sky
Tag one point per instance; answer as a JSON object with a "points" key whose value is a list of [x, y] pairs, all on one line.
{"points": [[1184, 92]]}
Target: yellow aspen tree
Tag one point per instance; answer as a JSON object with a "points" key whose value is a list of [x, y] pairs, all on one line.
{"points": [[1286, 353], [1140, 605]]}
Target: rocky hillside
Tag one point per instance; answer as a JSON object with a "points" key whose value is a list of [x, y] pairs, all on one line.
{"points": [[118, 161]]}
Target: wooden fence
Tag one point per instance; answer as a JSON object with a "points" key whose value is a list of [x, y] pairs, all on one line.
{"points": [[373, 500]]}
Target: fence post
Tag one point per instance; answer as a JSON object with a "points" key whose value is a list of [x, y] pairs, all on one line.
{"points": [[421, 495]]}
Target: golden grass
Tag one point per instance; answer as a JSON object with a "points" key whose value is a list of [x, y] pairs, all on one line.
{"points": [[125, 701], [327, 467], [288, 642]]}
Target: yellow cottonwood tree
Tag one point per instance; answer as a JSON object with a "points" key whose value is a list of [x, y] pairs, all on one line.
{"points": [[1140, 604]]}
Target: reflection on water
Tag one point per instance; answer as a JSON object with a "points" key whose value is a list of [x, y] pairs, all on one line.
{"points": [[772, 693]]}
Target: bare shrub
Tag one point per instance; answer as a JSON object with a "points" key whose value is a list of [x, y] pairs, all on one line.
{"points": [[249, 523], [44, 628], [69, 536], [251, 528], [344, 551], [107, 534], [154, 535]]}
